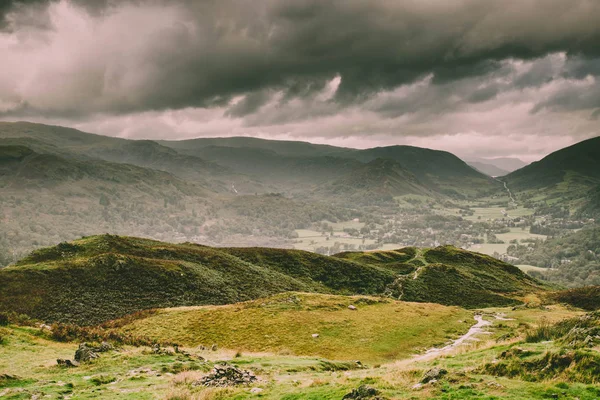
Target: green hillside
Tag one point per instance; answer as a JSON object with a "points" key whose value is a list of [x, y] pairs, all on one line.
{"points": [[103, 277], [98, 278], [575, 165]]}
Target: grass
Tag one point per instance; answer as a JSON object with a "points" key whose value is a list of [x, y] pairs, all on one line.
{"points": [[136, 373], [99, 278], [380, 330]]}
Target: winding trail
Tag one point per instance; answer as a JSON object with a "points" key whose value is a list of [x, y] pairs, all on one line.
{"points": [[435, 352], [512, 199]]}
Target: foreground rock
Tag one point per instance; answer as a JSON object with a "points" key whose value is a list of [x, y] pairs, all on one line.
{"points": [[434, 374], [85, 353], [363, 392], [227, 375]]}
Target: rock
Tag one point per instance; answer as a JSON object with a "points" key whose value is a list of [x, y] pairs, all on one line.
{"points": [[104, 347], [256, 390], [417, 386], [67, 363], [433, 374], [156, 349], [214, 347], [227, 375], [315, 335], [8, 377], [85, 353], [352, 307], [363, 392]]}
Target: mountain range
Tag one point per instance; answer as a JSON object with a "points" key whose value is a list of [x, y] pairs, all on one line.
{"points": [[60, 183]]}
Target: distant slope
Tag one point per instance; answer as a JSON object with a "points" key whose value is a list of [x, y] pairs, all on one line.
{"points": [[438, 170], [488, 169], [282, 172], [104, 277], [377, 181], [21, 166], [47, 198], [70, 143], [578, 165]]}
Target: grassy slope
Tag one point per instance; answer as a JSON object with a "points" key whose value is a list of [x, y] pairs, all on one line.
{"points": [[379, 330], [138, 374], [103, 277], [581, 160], [98, 278], [452, 276]]}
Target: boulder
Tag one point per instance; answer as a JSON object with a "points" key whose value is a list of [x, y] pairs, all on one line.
{"points": [[85, 353], [67, 363], [363, 392], [434, 374]]}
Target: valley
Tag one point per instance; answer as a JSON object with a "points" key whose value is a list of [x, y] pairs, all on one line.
{"points": [[243, 268], [463, 316]]}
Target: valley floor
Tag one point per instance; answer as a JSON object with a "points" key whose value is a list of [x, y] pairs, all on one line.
{"points": [[388, 339]]}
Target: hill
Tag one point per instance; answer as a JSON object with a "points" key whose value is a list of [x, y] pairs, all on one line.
{"points": [[98, 278], [72, 143], [576, 164], [452, 276], [103, 277], [439, 171], [282, 147], [375, 182]]}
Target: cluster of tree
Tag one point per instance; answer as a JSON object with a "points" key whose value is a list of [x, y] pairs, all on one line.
{"points": [[571, 260]]}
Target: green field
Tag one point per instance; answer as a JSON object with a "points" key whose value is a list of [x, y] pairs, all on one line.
{"points": [[310, 240], [379, 330]]}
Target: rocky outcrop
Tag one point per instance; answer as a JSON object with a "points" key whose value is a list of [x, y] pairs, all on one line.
{"points": [[227, 375], [363, 392]]}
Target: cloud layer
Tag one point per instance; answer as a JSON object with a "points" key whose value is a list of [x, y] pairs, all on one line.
{"points": [[477, 77]]}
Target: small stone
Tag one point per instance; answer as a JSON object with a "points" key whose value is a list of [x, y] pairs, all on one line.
{"points": [[256, 390], [315, 335], [352, 307]]}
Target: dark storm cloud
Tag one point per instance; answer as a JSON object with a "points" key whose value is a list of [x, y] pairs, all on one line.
{"points": [[151, 55]]}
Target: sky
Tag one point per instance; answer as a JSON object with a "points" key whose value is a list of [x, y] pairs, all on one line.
{"points": [[479, 78]]}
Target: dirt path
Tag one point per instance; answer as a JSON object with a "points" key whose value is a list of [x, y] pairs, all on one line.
{"points": [[435, 352]]}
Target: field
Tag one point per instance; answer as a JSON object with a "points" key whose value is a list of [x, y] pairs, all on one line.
{"points": [[379, 330], [528, 268], [311, 240], [500, 248], [28, 356]]}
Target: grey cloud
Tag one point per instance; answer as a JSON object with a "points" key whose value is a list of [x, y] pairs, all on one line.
{"points": [[202, 54]]}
